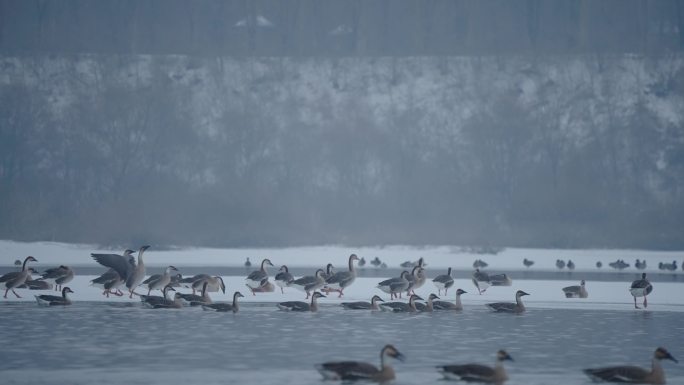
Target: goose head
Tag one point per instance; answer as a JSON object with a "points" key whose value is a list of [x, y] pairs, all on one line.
{"points": [[501, 355], [392, 352], [460, 291], [662, 354]]}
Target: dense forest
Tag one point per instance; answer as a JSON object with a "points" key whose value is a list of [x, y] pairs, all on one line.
{"points": [[272, 123]]}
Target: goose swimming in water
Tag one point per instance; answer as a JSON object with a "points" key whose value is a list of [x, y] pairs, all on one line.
{"points": [[258, 278], [53, 300], [363, 305], [15, 279], [429, 306], [443, 282], [224, 307], [576, 291], [302, 306], [634, 374], [196, 300], [402, 307], [355, 370], [641, 288], [478, 373], [509, 307], [444, 305], [150, 301]]}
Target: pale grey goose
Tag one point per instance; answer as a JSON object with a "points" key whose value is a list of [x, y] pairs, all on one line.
{"points": [[283, 279], [509, 307], [576, 291], [133, 275], [395, 286], [343, 279], [214, 283], [363, 305], [355, 370], [258, 278], [15, 279], [422, 277], [53, 300], [641, 288], [634, 374], [225, 307], [413, 279], [478, 373], [302, 306], [158, 281], [329, 271], [443, 282], [481, 281], [428, 306], [309, 283], [58, 276], [113, 278], [401, 307], [444, 305]]}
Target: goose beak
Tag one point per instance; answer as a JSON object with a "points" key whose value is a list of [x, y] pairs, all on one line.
{"points": [[400, 357]]}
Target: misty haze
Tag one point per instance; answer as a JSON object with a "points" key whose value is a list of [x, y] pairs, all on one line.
{"points": [[270, 123]]}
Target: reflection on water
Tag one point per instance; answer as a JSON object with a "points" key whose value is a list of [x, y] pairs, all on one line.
{"points": [[112, 344]]}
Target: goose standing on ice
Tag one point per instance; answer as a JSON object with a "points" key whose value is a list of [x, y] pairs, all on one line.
{"points": [[224, 307], [576, 291], [343, 279], [478, 373], [302, 306], [641, 288], [309, 283], [53, 300], [258, 278], [481, 281], [284, 278], [420, 276], [363, 305], [443, 282], [413, 279], [113, 278], [58, 276], [214, 283], [509, 307], [395, 286], [355, 370], [633, 374], [15, 279], [158, 281], [444, 305], [132, 275]]}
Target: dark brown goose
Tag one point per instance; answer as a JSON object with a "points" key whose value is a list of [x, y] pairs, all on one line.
{"points": [[53, 300], [478, 373], [225, 307], [302, 306], [634, 374], [355, 370]]}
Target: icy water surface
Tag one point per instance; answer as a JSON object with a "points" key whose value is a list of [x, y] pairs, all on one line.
{"points": [[104, 343]]}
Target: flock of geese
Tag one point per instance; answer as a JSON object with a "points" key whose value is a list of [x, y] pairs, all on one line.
{"points": [[128, 272], [496, 374]]}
